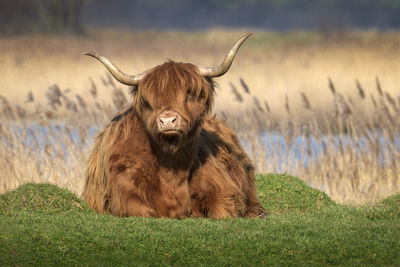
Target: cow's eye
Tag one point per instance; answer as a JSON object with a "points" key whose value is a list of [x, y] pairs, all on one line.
{"points": [[195, 95], [146, 104], [202, 95]]}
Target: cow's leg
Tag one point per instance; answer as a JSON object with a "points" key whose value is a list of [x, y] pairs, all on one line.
{"points": [[215, 196], [212, 206], [254, 208], [128, 200], [221, 208], [137, 208]]}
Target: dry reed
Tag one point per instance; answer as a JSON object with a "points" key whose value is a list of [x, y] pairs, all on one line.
{"points": [[353, 158], [337, 135]]}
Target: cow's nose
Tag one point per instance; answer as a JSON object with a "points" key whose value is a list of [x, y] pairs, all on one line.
{"points": [[168, 122]]}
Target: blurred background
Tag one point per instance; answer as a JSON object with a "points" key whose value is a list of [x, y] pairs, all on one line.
{"points": [[60, 16], [314, 92]]}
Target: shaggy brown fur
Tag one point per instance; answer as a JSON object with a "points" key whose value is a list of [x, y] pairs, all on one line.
{"points": [[197, 168]]}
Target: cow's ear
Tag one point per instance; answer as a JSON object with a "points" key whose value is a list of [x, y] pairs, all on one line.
{"points": [[134, 90]]}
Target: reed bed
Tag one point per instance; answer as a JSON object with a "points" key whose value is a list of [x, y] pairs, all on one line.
{"points": [[50, 144], [353, 160], [336, 130], [353, 157]]}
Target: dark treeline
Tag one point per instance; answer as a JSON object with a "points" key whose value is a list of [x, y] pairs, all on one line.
{"points": [[45, 16], [269, 14], [59, 16]]}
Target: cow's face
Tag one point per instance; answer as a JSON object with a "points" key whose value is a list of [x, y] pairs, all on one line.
{"points": [[172, 100]]}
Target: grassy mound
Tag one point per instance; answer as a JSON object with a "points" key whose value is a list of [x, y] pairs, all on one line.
{"points": [[386, 209], [277, 193], [284, 193], [41, 198], [46, 225]]}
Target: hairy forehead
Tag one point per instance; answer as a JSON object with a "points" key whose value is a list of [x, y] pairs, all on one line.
{"points": [[172, 77]]}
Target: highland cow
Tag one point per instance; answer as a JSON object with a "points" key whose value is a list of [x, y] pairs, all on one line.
{"points": [[164, 155]]}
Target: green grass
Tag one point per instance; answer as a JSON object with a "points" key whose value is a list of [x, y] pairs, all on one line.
{"points": [[45, 225]]}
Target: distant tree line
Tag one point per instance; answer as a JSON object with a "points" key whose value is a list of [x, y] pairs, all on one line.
{"points": [[45, 16], [60, 16], [272, 14]]}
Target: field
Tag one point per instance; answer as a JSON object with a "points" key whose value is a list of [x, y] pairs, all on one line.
{"points": [[42, 224], [324, 108]]}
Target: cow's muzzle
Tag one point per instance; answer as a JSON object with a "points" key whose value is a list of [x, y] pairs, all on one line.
{"points": [[170, 129], [169, 122]]}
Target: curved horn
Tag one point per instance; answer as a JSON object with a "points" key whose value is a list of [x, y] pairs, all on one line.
{"points": [[222, 68], [117, 73]]}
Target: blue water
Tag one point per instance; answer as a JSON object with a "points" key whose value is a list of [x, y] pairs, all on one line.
{"points": [[39, 138], [307, 149], [302, 150]]}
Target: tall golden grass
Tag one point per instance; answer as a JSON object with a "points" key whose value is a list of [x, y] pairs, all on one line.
{"points": [[323, 108], [354, 158]]}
